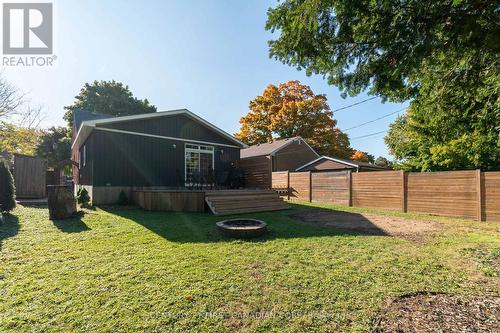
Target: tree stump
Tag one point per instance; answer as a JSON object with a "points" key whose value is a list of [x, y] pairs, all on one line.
{"points": [[62, 203]]}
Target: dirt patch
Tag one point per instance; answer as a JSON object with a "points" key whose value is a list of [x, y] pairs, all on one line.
{"points": [[368, 223], [255, 271], [440, 313]]}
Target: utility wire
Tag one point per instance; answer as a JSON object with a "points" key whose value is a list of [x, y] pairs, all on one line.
{"points": [[367, 135], [351, 105], [374, 120], [356, 142]]}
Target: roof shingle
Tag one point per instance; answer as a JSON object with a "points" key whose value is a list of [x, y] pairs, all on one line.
{"points": [[263, 149]]}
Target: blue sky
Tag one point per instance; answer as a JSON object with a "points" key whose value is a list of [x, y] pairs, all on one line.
{"points": [[208, 56]]}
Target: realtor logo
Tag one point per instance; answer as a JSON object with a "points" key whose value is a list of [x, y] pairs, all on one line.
{"points": [[27, 28]]}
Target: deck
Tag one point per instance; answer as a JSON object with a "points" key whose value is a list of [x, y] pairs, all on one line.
{"points": [[219, 202]]}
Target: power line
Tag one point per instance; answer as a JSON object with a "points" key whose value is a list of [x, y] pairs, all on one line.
{"points": [[367, 135], [351, 105], [374, 120], [358, 141]]}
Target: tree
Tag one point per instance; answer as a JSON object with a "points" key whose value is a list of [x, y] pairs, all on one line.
{"points": [[383, 162], [446, 137], [55, 145], [30, 116], [359, 156], [292, 109], [107, 97], [443, 55], [10, 99], [381, 45], [18, 140], [362, 156], [7, 188]]}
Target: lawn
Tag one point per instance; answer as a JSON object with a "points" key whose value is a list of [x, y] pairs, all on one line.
{"points": [[127, 270]]}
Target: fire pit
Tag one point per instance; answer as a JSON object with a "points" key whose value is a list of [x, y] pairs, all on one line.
{"points": [[242, 228]]}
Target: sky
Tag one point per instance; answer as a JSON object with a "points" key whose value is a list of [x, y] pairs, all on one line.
{"points": [[210, 57]]}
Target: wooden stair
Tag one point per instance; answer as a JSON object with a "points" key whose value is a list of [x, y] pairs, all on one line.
{"points": [[243, 201]]}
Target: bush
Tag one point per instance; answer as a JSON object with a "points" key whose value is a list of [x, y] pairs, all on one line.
{"points": [[7, 188], [82, 197], [122, 199]]}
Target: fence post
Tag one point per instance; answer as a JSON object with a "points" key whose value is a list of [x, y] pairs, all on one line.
{"points": [[404, 192], [288, 185], [310, 186], [479, 191], [349, 184]]}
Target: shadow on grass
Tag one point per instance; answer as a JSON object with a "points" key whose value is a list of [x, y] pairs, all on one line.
{"points": [[72, 224], [200, 227], [9, 227]]}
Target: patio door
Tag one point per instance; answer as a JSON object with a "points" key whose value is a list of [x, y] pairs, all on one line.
{"points": [[199, 165]]}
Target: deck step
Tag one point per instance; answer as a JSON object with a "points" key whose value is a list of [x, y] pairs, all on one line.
{"points": [[275, 205], [244, 201], [229, 193], [252, 210], [244, 198]]}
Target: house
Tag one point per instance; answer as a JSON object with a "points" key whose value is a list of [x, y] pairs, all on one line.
{"points": [[160, 150], [326, 163], [259, 161]]}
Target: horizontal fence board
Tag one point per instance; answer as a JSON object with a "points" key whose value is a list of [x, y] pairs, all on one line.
{"points": [[491, 196], [300, 186], [280, 179], [256, 172], [443, 193], [330, 187], [467, 194], [381, 189]]}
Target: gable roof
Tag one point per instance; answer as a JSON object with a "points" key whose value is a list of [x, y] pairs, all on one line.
{"points": [[353, 164], [270, 148], [88, 126], [79, 116]]}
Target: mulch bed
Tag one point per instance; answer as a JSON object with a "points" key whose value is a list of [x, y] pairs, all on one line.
{"points": [[439, 312]]}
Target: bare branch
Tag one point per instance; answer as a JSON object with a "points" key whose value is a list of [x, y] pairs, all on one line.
{"points": [[30, 116], [10, 99]]}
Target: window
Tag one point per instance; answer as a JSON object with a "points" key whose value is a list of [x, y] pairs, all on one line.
{"points": [[84, 155], [199, 164]]}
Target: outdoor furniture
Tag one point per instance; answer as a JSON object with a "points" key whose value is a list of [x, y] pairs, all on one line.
{"points": [[282, 190]]}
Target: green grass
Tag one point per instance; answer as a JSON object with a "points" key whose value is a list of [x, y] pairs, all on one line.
{"points": [[136, 271]]}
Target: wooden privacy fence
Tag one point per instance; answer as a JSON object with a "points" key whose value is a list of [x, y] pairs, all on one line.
{"points": [[468, 194], [29, 176]]}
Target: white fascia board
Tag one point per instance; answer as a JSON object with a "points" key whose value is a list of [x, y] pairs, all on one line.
{"points": [[328, 158], [309, 163]]}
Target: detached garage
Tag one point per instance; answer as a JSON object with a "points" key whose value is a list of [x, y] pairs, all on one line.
{"points": [[326, 163], [259, 161]]}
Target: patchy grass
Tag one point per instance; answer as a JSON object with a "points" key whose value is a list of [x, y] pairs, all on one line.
{"points": [[487, 259], [137, 271]]}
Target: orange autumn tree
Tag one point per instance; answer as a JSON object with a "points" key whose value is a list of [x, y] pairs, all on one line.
{"points": [[292, 109], [359, 156]]}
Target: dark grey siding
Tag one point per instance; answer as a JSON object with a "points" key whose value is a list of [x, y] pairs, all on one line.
{"points": [[178, 126], [132, 160], [86, 171]]}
